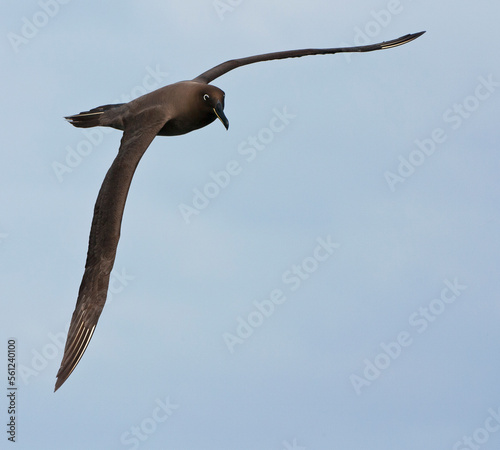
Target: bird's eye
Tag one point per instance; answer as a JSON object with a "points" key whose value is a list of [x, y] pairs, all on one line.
{"points": [[206, 97]]}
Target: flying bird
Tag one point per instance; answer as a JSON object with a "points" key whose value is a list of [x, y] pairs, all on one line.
{"points": [[169, 111]]}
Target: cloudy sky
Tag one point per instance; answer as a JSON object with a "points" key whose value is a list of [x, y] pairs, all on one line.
{"points": [[323, 275]]}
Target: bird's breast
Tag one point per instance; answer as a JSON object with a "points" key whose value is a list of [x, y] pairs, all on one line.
{"points": [[178, 126]]}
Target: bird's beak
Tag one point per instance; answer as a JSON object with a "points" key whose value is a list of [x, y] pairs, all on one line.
{"points": [[219, 112]]}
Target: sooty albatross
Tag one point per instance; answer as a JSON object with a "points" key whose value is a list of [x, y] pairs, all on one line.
{"points": [[169, 111]]}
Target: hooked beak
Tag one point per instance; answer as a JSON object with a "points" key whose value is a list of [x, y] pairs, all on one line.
{"points": [[219, 112]]}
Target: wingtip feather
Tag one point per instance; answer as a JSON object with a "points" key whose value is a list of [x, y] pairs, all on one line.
{"points": [[73, 353]]}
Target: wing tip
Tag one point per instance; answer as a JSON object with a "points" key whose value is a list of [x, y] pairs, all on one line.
{"points": [[75, 348], [402, 40], [414, 36], [59, 383]]}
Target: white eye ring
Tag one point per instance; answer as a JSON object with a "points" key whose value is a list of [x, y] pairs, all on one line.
{"points": [[206, 97]]}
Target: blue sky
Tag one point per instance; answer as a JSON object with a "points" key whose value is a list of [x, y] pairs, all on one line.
{"points": [[337, 283]]}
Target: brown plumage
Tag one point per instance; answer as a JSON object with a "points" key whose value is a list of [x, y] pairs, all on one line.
{"points": [[171, 110]]}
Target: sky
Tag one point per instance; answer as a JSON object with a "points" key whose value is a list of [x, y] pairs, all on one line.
{"points": [[322, 275]]}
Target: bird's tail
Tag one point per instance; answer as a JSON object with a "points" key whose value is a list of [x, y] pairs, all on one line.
{"points": [[92, 118]]}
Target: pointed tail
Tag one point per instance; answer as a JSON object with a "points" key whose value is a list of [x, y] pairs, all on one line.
{"points": [[92, 118]]}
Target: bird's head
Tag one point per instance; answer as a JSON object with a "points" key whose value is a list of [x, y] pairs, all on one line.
{"points": [[212, 99]]}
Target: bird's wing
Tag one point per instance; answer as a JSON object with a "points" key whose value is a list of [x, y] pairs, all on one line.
{"points": [[221, 69], [104, 236]]}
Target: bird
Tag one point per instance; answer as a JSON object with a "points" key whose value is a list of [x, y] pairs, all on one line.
{"points": [[172, 110]]}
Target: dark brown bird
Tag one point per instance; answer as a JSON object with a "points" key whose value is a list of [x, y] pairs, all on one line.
{"points": [[169, 111]]}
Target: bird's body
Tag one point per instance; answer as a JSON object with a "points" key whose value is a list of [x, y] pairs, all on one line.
{"points": [[180, 103], [172, 110]]}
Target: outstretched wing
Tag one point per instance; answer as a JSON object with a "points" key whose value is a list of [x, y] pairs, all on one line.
{"points": [[221, 69], [104, 236]]}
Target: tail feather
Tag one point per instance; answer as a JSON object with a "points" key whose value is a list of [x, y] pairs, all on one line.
{"points": [[87, 119]]}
